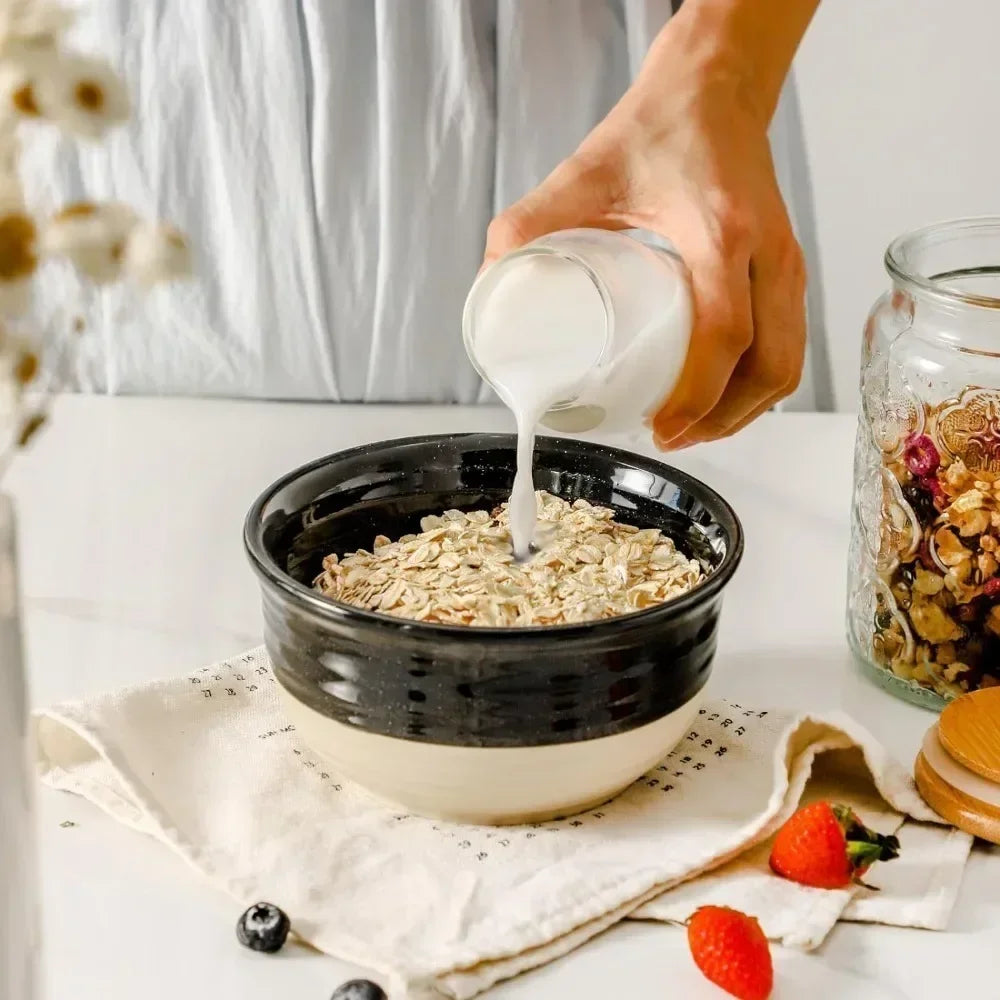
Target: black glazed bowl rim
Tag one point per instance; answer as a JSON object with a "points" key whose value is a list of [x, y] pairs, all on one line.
{"points": [[720, 510]]}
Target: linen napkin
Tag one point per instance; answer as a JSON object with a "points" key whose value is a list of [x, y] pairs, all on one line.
{"points": [[208, 765]]}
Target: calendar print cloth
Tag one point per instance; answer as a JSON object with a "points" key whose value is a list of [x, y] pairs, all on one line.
{"points": [[207, 764]]}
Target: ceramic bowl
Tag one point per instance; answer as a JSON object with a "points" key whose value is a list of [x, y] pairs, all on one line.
{"points": [[484, 725]]}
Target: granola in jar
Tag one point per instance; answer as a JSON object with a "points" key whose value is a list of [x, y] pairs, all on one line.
{"points": [[937, 594]]}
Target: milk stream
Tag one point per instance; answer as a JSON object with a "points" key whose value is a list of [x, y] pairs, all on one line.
{"points": [[539, 335], [589, 330]]}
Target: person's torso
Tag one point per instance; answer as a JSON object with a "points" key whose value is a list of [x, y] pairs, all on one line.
{"points": [[336, 167]]}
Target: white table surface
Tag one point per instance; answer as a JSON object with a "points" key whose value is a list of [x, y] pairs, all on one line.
{"points": [[132, 568]]}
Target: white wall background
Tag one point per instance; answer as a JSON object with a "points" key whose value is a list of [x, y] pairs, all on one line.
{"points": [[901, 108]]}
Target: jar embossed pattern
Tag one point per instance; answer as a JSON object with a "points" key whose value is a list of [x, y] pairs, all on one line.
{"points": [[924, 571]]}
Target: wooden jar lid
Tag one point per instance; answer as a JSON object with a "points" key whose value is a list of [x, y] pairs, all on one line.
{"points": [[958, 768], [969, 730]]}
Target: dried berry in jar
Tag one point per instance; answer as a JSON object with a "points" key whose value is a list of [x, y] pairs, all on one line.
{"points": [[921, 500], [883, 620], [921, 456]]}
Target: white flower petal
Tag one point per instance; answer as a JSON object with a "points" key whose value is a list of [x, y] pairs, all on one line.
{"points": [[20, 356], [81, 94], [92, 236], [17, 90], [10, 154], [156, 252], [27, 25], [11, 194], [10, 147], [15, 297]]}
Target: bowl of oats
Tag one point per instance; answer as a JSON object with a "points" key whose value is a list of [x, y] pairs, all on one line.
{"points": [[429, 666]]}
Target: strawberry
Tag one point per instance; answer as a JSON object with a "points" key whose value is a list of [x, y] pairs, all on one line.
{"points": [[731, 950], [827, 846]]}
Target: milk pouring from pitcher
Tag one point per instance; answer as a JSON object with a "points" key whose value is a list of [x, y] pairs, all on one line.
{"points": [[579, 330]]}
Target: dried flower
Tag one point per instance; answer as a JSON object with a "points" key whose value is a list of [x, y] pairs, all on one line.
{"points": [[26, 367], [15, 297], [92, 236], [81, 94], [29, 428], [17, 90], [28, 26], [18, 258], [18, 366], [156, 252], [17, 246]]}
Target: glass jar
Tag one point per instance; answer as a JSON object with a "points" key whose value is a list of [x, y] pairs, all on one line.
{"points": [[18, 888], [924, 586], [625, 301]]}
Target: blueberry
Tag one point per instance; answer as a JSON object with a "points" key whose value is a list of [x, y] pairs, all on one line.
{"points": [[359, 989], [263, 928]]}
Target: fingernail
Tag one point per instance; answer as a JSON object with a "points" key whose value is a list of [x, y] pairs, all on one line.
{"points": [[666, 434]]}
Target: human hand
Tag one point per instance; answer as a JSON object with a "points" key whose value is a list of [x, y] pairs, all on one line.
{"points": [[685, 154]]}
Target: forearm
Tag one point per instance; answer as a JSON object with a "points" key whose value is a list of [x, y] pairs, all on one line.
{"points": [[750, 43]]}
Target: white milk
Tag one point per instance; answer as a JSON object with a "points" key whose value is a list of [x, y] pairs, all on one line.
{"points": [[594, 321], [540, 332]]}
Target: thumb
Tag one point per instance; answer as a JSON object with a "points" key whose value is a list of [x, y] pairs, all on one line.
{"points": [[575, 194]]}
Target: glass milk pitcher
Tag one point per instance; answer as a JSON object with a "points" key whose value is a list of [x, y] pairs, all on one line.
{"points": [[924, 589], [629, 300]]}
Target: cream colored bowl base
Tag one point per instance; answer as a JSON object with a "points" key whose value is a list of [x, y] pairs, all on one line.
{"points": [[490, 786]]}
